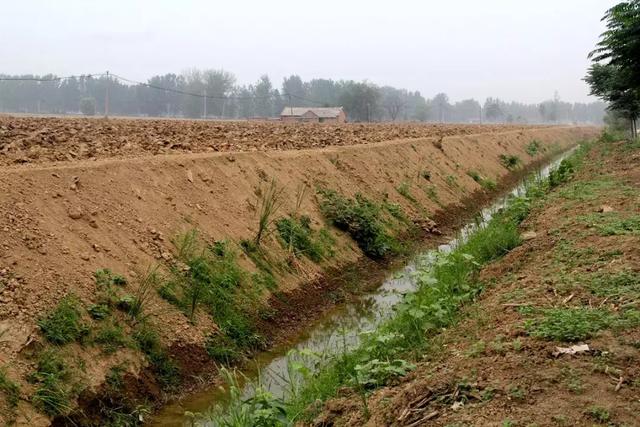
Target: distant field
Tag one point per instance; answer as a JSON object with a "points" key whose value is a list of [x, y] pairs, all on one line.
{"points": [[45, 139]]}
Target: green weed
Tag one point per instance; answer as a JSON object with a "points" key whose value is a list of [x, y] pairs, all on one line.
{"points": [[222, 349], [510, 161], [64, 324], [105, 277], [375, 373], [10, 389], [269, 201], [572, 380], [142, 294], [53, 393], [486, 183], [362, 219], [148, 342], [533, 148], [517, 393], [209, 275], [404, 189], [297, 235], [115, 378], [111, 337], [592, 189], [599, 414], [99, 311], [563, 173], [264, 280], [569, 324], [612, 223], [261, 410], [432, 194], [616, 286]]}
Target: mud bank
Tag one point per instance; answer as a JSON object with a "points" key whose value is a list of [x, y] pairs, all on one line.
{"points": [[60, 223]]}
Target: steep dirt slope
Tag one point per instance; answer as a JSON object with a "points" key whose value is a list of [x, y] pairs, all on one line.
{"points": [[60, 223]]}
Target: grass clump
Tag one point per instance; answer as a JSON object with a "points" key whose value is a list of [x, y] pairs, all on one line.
{"points": [[105, 277], [53, 393], [510, 161], [263, 409], [269, 202], [202, 271], [148, 341], [569, 324], [534, 147], [376, 373], [298, 237], [485, 183], [222, 349], [562, 173], [99, 311], [616, 286], [599, 414], [208, 275], [613, 224], [10, 389], [64, 324], [362, 219], [111, 337], [404, 189]]}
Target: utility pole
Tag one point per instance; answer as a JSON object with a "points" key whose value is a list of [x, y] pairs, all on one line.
{"points": [[290, 104], [204, 102], [106, 98], [481, 114]]}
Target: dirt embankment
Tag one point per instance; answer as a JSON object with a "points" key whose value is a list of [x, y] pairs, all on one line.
{"points": [[42, 139], [572, 286], [59, 223]]}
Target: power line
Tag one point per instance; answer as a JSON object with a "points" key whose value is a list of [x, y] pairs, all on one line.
{"points": [[204, 95], [164, 89], [182, 92], [52, 79]]}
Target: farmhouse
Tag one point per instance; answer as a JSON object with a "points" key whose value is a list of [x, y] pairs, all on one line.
{"points": [[314, 115]]}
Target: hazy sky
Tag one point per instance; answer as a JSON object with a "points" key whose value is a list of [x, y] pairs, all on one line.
{"points": [[467, 48]]}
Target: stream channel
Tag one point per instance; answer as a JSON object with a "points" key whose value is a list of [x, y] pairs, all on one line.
{"points": [[339, 328]]}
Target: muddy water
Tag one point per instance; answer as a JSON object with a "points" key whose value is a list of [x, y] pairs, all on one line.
{"points": [[339, 329]]}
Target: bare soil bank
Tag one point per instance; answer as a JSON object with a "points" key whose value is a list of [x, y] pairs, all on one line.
{"points": [[61, 223]]}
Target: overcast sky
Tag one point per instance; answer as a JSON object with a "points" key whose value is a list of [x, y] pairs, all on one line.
{"points": [[511, 49]]}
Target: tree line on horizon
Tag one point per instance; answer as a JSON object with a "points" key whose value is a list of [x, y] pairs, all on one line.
{"points": [[362, 101]]}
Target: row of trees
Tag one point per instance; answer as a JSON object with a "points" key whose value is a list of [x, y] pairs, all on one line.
{"points": [[218, 94], [615, 73]]}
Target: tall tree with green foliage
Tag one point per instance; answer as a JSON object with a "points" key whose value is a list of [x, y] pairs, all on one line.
{"points": [[615, 73]]}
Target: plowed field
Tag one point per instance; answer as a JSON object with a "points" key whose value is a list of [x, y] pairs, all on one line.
{"points": [[45, 139]]}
